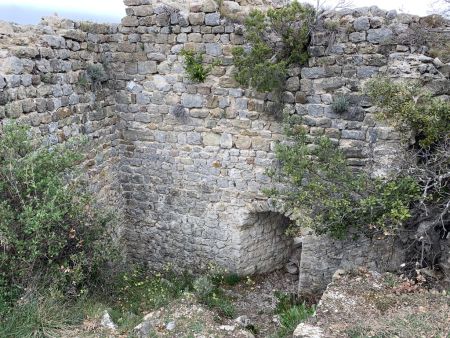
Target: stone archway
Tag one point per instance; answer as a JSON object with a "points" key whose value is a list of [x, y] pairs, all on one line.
{"points": [[264, 245]]}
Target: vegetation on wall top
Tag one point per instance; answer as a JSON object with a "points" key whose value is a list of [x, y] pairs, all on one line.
{"points": [[277, 38]]}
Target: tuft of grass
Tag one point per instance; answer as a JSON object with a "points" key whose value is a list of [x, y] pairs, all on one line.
{"points": [[41, 316], [232, 279], [291, 313], [340, 104], [290, 319], [221, 303]]}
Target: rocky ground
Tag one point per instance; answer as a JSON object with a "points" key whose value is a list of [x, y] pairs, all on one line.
{"points": [[254, 300], [356, 304], [368, 304]]}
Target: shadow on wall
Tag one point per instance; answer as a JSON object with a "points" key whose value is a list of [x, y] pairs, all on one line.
{"points": [[264, 244]]}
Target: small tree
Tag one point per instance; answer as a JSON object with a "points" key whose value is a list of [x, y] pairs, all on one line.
{"points": [[277, 39]]}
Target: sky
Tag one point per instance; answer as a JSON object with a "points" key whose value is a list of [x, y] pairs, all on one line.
{"points": [[30, 11]]}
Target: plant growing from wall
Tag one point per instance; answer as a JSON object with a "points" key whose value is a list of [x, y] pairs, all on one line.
{"points": [[333, 198], [330, 196], [277, 39], [97, 74], [194, 67], [340, 104]]}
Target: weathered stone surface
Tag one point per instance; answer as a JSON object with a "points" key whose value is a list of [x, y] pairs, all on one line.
{"points": [[212, 19], [211, 139], [307, 331], [361, 24], [379, 35], [187, 160], [11, 65]]}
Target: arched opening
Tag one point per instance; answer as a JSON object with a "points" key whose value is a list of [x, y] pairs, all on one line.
{"points": [[264, 245]]}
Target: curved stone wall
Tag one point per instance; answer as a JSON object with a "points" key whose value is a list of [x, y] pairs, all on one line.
{"points": [[191, 158]]}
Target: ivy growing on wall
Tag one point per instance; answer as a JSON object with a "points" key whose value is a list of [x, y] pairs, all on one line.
{"points": [[277, 38]]}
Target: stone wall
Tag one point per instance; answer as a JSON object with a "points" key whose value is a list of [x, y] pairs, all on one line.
{"points": [[43, 83], [195, 155], [191, 158]]}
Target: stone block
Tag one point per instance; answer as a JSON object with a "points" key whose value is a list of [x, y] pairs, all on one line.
{"points": [[226, 141], [211, 139], [209, 6], [196, 18], [136, 2], [11, 65], [213, 49], [243, 142], [212, 19], [361, 24], [147, 67], [192, 100], [380, 35], [130, 21], [144, 10]]}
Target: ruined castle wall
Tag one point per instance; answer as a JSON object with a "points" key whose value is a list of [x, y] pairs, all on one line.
{"points": [[43, 83], [191, 158], [195, 155]]}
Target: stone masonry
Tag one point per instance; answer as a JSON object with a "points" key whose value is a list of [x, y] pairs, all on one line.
{"points": [[186, 162]]}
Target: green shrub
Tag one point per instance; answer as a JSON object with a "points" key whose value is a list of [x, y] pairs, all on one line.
{"points": [[264, 65], [331, 197], [203, 287], [410, 108], [50, 231], [97, 73], [194, 67], [340, 104]]}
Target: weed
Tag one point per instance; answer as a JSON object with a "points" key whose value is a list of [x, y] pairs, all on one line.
{"points": [[47, 78], [332, 24], [218, 300], [340, 104], [231, 279], [203, 287], [194, 67], [97, 73], [41, 316], [83, 81], [291, 317]]}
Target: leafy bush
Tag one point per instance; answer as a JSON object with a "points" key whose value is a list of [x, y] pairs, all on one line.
{"points": [[409, 108], [264, 65], [194, 67], [417, 112], [50, 232], [332, 197]]}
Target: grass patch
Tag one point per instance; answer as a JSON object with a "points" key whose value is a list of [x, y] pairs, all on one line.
{"points": [[41, 316], [291, 312]]}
